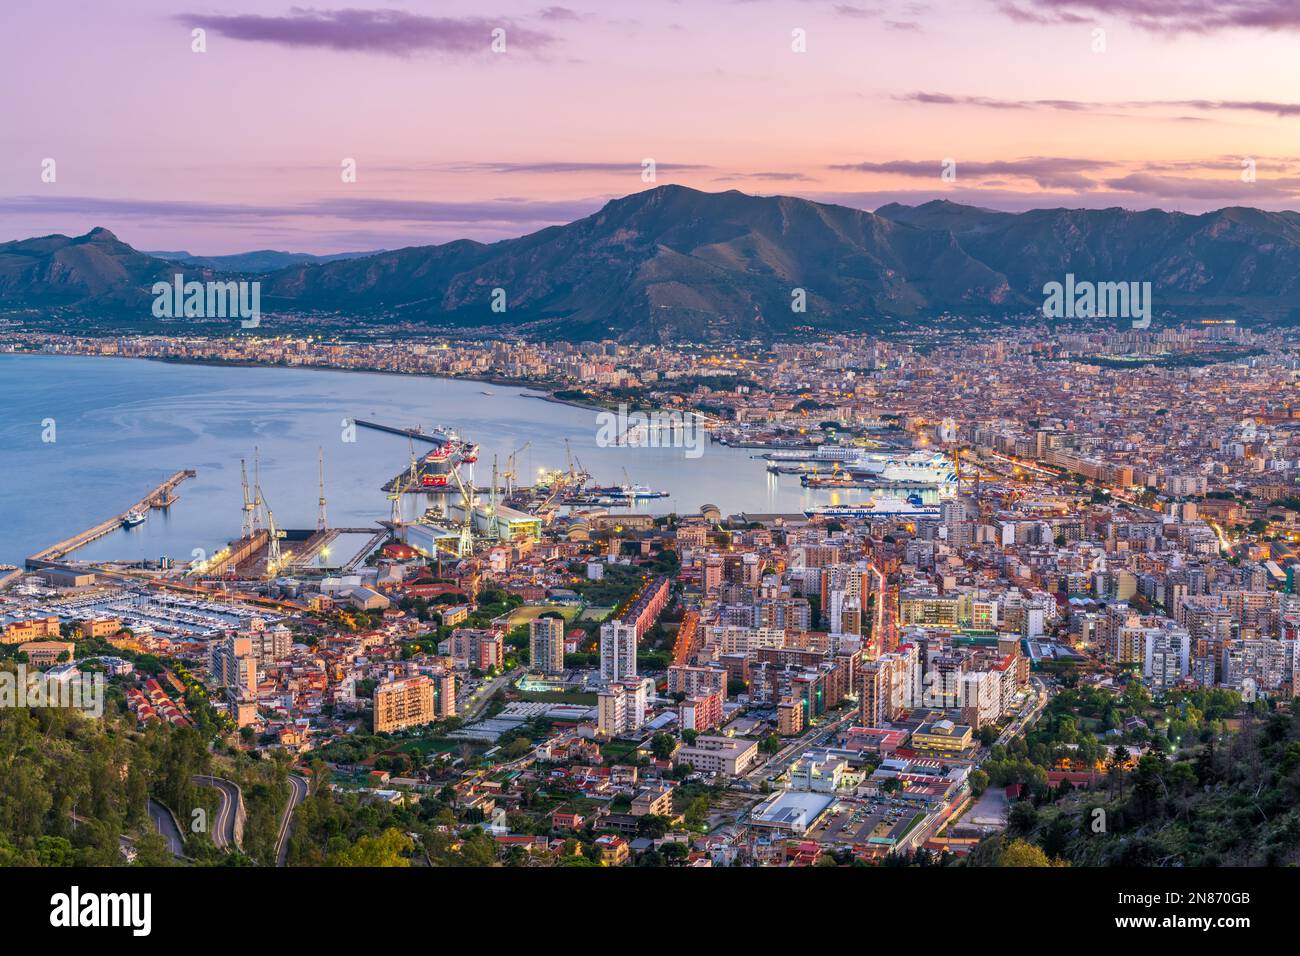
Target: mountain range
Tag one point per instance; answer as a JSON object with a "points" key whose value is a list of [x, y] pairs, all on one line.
{"points": [[260, 260], [673, 263]]}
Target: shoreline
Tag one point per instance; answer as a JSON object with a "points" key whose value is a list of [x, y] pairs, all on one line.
{"points": [[540, 391]]}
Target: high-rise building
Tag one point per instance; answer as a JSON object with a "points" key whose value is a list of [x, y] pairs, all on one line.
{"points": [[546, 645], [444, 695], [617, 651], [234, 667], [621, 707], [1166, 656], [407, 702]]}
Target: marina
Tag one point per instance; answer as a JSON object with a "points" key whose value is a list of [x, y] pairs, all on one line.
{"points": [[139, 608]]}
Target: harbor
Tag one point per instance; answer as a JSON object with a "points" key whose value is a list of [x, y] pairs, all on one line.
{"points": [[302, 410], [163, 496]]}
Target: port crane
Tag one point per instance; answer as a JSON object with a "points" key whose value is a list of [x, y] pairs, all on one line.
{"points": [[250, 518], [511, 471], [465, 543], [401, 487], [259, 508], [273, 556], [322, 522], [570, 459]]}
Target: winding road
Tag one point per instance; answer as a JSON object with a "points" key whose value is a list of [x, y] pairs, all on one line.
{"points": [[297, 793], [228, 828], [166, 823]]}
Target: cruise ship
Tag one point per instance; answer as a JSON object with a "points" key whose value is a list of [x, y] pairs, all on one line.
{"points": [[921, 467], [132, 518], [627, 492]]}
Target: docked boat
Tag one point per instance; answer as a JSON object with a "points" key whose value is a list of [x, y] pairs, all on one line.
{"points": [[910, 507], [132, 518], [627, 492]]}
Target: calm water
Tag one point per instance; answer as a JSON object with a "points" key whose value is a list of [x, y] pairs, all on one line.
{"points": [[123, 425]]}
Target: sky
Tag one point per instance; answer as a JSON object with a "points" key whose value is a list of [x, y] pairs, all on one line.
{"points": [[1009, 104]]}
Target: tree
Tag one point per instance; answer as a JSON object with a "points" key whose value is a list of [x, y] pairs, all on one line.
{"points": [[662, 745], [152, 850], [1118, 758], [55, 851], [388, 849], [697, 813], [652, 826], [1022, 818], [1022, 853]]}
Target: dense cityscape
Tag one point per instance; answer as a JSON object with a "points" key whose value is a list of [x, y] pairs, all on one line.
{"points": [[1071, 591], [851, 448]]}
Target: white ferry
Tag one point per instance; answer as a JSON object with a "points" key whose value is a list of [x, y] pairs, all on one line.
{"points": [[877, 508]]}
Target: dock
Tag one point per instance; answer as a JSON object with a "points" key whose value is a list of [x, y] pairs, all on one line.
{"points": [[379, 538], [160, 497], [433, 437]]}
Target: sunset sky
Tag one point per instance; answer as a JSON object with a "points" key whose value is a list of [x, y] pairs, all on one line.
{"points": [[240, 147]]}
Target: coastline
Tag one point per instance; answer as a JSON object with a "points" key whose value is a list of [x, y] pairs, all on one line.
{"points": [[540, 391]]}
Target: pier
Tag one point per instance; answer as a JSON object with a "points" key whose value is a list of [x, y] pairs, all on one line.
{"points": [[160, 497], [433, 438]]}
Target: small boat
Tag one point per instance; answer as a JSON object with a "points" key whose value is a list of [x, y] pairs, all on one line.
{"points": [[132, 518], [487, 393]]}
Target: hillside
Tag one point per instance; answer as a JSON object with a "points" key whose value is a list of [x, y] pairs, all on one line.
{"points": [[673, 263]]}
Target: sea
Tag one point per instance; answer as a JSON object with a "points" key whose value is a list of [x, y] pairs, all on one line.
{"points": [[84, 437]]}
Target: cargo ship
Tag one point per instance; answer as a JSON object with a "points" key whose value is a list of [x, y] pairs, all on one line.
{"points": [[132, 518]]}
